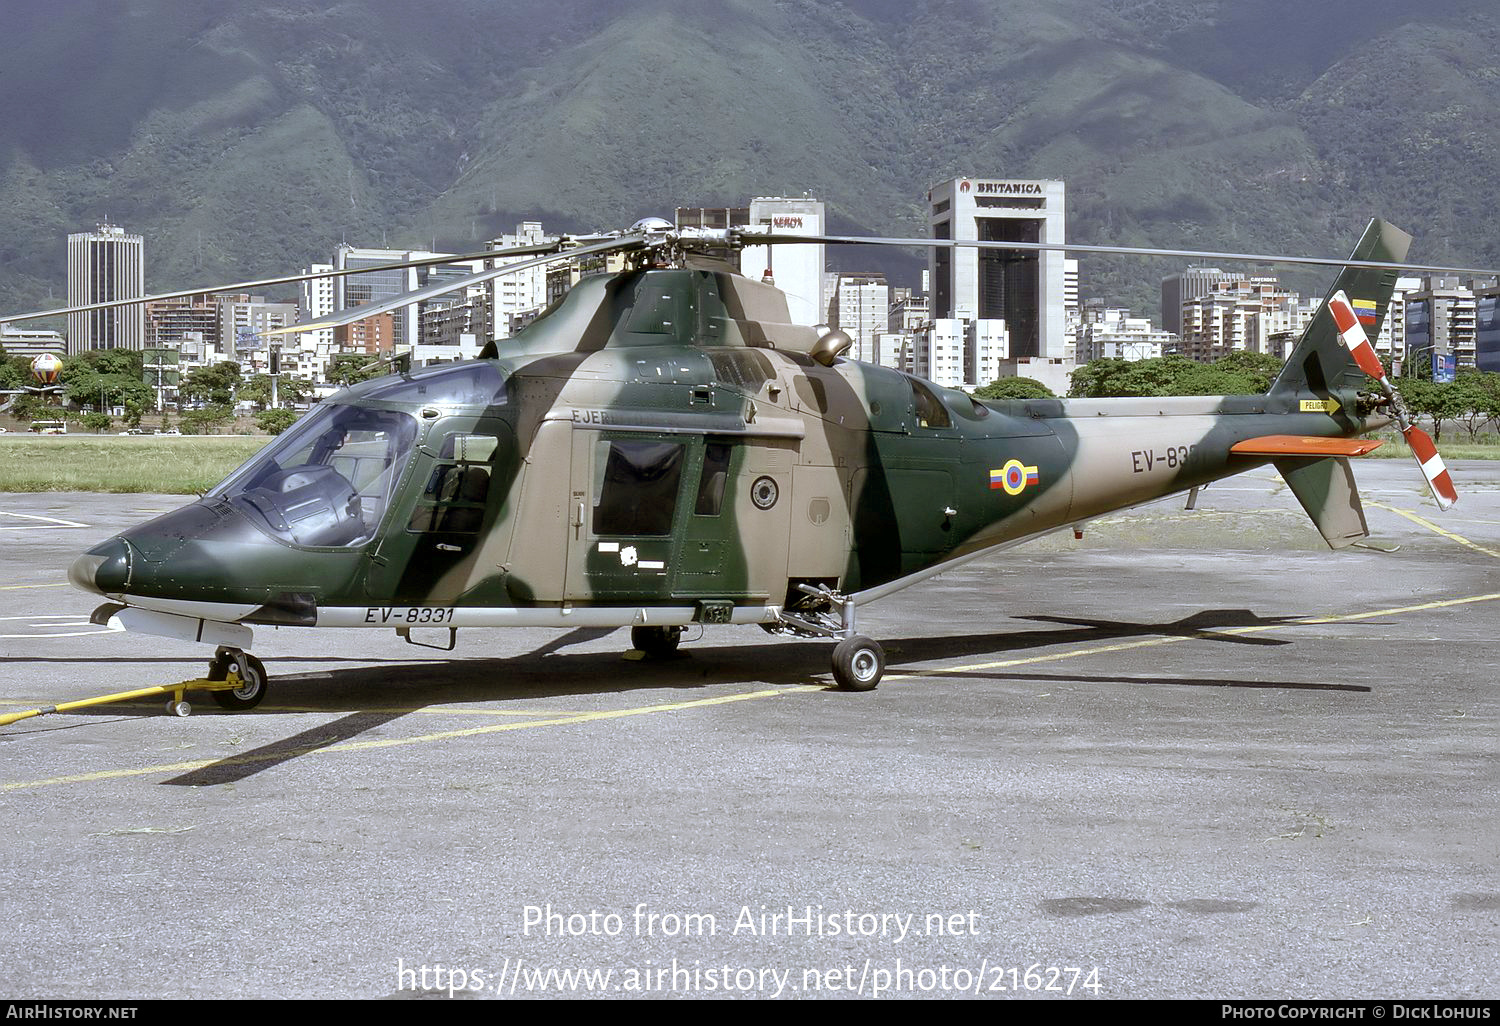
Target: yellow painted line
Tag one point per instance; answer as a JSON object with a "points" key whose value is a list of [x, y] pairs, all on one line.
{"points": [[1435, 529], [355, 746], [24, 587]]}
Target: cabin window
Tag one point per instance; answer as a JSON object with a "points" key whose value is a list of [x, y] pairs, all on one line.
{"points": [[930, 411], [637, 494], [715, 477]]}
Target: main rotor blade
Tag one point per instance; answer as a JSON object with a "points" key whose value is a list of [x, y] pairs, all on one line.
{"points": [[359, 313], [242, 286], [765, 238]]}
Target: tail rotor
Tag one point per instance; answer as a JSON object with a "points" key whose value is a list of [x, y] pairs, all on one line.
{"points": [[1421, 443]]}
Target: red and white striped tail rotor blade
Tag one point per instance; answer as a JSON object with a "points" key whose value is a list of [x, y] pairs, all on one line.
{"points": [[1355, 338], [1433, 468]]}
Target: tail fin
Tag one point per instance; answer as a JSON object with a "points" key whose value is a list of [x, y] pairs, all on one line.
{"points": [[1320, 363]]}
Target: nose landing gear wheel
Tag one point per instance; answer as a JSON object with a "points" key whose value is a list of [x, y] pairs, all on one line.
{"points": [[231, 664], [858, 664]]}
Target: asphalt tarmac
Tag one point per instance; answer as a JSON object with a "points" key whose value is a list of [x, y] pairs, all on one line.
{"points": [[1194, 755]]}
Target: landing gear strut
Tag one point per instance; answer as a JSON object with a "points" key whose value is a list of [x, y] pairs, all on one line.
{"points": [[858, 661]]}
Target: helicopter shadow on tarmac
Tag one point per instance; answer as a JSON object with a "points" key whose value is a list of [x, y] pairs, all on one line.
{"points": [[376, 695], [400, 686]]}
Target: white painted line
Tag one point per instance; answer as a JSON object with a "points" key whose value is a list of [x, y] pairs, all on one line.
{"points": [[48, 522], [52, 630]]}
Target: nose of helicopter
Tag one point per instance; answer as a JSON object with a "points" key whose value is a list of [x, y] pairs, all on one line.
{"points": [[103, 569]]}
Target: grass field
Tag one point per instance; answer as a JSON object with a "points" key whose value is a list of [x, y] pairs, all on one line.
{"points": [[121, 463], [1454, 446]]}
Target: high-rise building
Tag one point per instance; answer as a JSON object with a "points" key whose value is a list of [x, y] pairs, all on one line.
{"points": [[103, 265], [374, 286], [1487, 328], [355, 290], [959, 352], [797, 269], [862, 307], [515, 299], [1442, 324], [170, 321], [1252, 315], [316, 300], [1024, 288], [1187, 286]]}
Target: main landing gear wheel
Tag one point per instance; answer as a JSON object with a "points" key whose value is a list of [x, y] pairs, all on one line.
{"points": [[656, 642], [858, 663], [232, 664]]}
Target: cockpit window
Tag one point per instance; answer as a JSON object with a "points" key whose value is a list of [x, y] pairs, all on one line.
{"points": [[328, 481], [467, 384]]}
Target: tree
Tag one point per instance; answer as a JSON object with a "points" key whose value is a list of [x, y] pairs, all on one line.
{"points": [[1438, 401], [105, 377], [288, 390], [215, 385], [1236, 374], [274, 422], [98, 422], [351, 368], [207, 420], [1476, 400], [30, 407], [1014, 388]]}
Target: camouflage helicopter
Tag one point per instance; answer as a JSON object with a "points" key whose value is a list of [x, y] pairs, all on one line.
{"points": [[662, 447]]}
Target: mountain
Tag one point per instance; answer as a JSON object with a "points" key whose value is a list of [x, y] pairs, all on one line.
{"points": [[245, 139]]}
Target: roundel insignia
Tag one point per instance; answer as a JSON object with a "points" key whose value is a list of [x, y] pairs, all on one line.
{"points": [[1014, 477]]}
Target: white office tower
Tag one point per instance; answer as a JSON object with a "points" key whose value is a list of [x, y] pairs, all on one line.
{"points": [[1024, 288], [515, 299], [103, 265], [1392, 339], [796, 268], [1072, 312], [896, 350], [863, 308], [987, 346], [957, 352], [316, 347]]}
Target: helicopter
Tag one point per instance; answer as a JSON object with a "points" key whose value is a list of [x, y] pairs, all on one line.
{"points": [[662, 447]]}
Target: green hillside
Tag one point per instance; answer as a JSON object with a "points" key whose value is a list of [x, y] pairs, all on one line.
{"points": [[246, 139]]}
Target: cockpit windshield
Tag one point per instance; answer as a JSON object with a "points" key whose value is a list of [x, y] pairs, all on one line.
{"points": [[328, 481]]}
